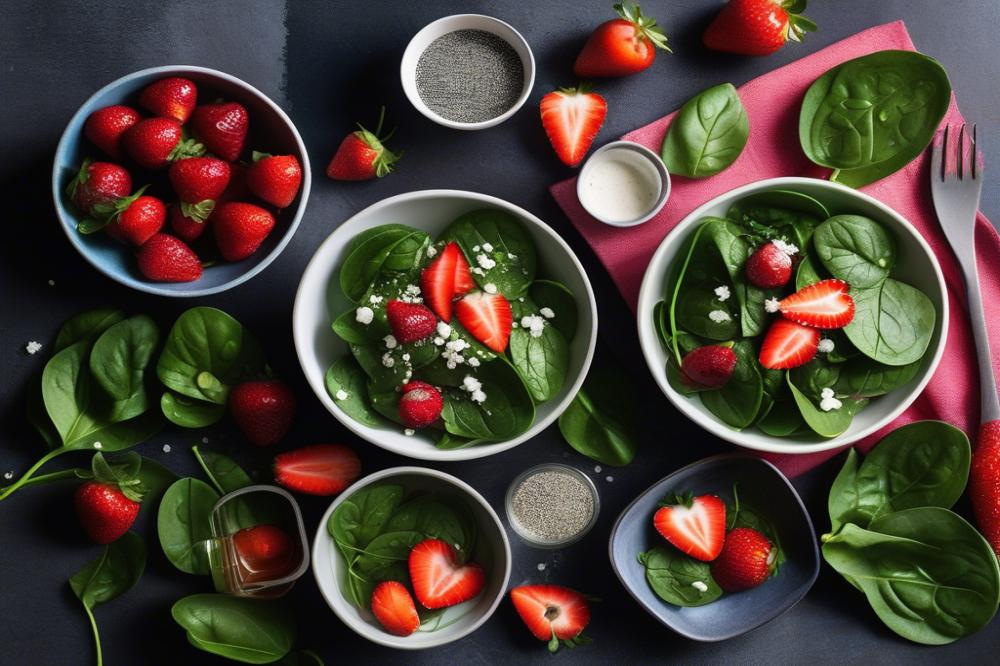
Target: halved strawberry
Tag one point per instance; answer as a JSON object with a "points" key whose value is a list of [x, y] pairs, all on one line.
{"points": [[487, 317], [552, 613], [409, 322], [825, 304], [572, 117], [321, 469], [438, 580], [394, 609], [446, 278], [788, 345], [694, 525]]}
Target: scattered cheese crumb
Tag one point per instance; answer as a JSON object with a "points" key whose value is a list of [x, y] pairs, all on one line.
{"points": [[609, 479], [722, 292], [413, 289], [474, 362], [477, 270], [485, 262], [166, 448], [409, 432], [700, 586], [342, 394], [406, 357], [719, 316], [828, 402], [490, 288], [364, 315], [438, 341], [475, 388], [547, 313], [9, 475], [375, 299], [387, 360], [475, 248], [204, 440], [825, 345], [443, 330], [487, 247], [541, 566], [33, 347], [431, 251], [772, 305], [511, 255], [390, 341], [52, 283], [98, 445], [534, 323], [786, 247], [597, 469]]}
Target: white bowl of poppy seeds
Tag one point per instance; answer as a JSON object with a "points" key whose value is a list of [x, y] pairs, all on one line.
{"points": [[468, 71]]}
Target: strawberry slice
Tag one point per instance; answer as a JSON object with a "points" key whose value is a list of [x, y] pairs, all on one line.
{"points": [[788, 345], [552, 613], [825, 304], [437, 578], [572, 117], [444, 279], [393, 607], [487, 317], [321, 469], [694, 525]]}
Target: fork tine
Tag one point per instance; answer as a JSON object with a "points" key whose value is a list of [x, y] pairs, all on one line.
{"points": [[975, 154], [938, 148], [960, 154]]}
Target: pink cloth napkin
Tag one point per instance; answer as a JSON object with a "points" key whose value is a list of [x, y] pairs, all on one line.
{"points": [[772, 102]]}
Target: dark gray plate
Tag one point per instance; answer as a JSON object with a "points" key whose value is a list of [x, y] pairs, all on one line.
{"points": [[762, 487]]}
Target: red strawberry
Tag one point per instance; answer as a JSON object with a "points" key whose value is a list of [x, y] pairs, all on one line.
{"points": [[362, 155], [140, 220], [263, 410], [769, 267], [275, 178], [237, 189], [438, 580], [446, 278], [420, 405], [222, 128], [199, 182], [98, 184], [394, 609], [105, 512], [410, 321], [154, 142], [173, 97], [694, 525], [164, 258], [572, 117], [746, 560], [321, 469], [788, 345], [552, 613], [105, 127], [756, 27], [711, 365], [984, 482], [240, 228], [487, 317], [265, 550], [622, 46], [825, 304], [186, 228]]}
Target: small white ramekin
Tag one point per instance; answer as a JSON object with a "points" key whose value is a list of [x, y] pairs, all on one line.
{"points": [[645, 152]]}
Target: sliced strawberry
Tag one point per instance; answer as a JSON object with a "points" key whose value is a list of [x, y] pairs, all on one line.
{"points": [[410, 322], [572, 117], [446, 278], [746, 560], [694, 525], [420, 405], [487, 317], [825, 304], [788, 345], [711, 365], [394, 609], [769, 267], [438, 580], [321, 469], [552, 613]]}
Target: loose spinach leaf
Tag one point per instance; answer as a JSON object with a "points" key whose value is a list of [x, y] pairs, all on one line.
{"points": [[506, 413], [252, 631], [893, 322], [738, 402], [672, 576], [346, 375], [118, 364], [513, 250], [855, 249], [707, 134], [600, 422], [222, 471], [557, 297], [182, 524], [87, 326], [540, 360], [188, 412], [862, 377], [843, 499]]}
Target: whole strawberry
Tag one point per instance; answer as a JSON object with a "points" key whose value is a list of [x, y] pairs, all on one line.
{"points": [[362, 155], [222, 128], [420, 405], [164, 258], [710, 366], [137, 219], [155, 142], [410, 322], [275, 178], [747, 560], [108, 503], [757, 27], [97, 184], [769, 267], [105, 128], [263, 410], [172, 97], [622, 46], [199, 182], [240, 228], [186, 228]]}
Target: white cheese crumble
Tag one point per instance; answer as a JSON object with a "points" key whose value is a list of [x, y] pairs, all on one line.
{"points": [[387, 360], [375, 299], [342, 394], [511, 256], [33, 347], [409, 432], [828, 402], [485, 262], [490, 288], [204, 440], [166, 448], [719, 316], [406, 357], [547, 313], [443, 330], [487, 247], [390, 341], [98, 445], [364, 315], [541, 566], [431, 251], [438, 341], [533, 323], [477, 270], [475, 389], [475, 248], [700, 586], [609, 479], [473, 361], [772, 305], [597, 469], [52, 283], [786, 247], [452, 353], [722, 293], [8, 475], [825, 345], [413, 289]]}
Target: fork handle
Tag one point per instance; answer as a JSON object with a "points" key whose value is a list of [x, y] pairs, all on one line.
{"points": [[989, 403]]}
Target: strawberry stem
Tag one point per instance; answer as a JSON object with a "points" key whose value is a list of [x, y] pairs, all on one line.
{"points": [[645, 26]]}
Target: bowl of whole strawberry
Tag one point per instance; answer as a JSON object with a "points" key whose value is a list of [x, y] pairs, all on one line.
{"points": [[793, 315], [180, 180]]}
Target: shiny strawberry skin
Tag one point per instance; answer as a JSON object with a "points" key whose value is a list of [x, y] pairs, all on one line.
{"points": [[788, 345], [620, 47], [320, 469], [394, 609], [354, 160], [173, 97], [748, 27], [105, 128], [151, 142], [711, 365], [420, 405], [186, 228], [99, 183], [164, 258], [240, 228], [275, 179], [410, 322], [222, 128], [197, 179], [551, 612], [143, 219], [769, 267], [745, 561], [264, 410], [104, 511], [438, 580], [984, 482]]}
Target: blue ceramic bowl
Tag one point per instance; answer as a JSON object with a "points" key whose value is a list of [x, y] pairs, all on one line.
{"points": [[762, 487], [270, 131]]}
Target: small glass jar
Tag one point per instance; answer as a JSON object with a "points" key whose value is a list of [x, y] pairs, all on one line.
{"points": [[233, 571], [524, 531]]}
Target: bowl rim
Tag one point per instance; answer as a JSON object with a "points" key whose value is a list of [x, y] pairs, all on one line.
{"points": [[302, 338], [152, 287], [427, 112], [762, 619], [388, 640], [652, 284], [652, 157]]}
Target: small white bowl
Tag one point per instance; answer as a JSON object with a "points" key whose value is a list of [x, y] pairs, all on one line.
{"points": [[328, 564], [602, 153], [319, 300], [916, 265], [445, 25]]}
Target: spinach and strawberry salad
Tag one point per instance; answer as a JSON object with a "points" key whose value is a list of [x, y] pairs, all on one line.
{"points": [[458, 335], [787, 318]]}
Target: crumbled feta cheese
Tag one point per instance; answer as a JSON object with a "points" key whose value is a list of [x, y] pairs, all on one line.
{"points": [[477, 270], [786, 247], [597, 469], [490, 288], [431, 251], [825, 345], [475, 248], [166, 448], [475, 389], [541, 566], [375, 299], [828, 402], [772, 305], [547, 313], [439, 341], [485, 262], [409, 432], [98, 445], [443, 330], [511, 256], [722, 292], [33, 347], [478, 397], [487, 247], [387, 360], [364, 315], [390, 341], [8, 475], [473, 361], [719, 316], [342, 394], [413, 289], [700, 586], [204, 440], [52, 283], [534, 324], [406, 357], [609, 479]]}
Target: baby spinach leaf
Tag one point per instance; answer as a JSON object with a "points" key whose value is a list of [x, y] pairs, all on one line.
{"points": [[843, 500], [864, 378], [87, 326], [118, 364], [346, 375], [252, 631], [696, 307], [855, 249], [437, 518], [188, 412], [506, 413], [673, 577], [826, 424], [541, 360], [182, 524], [707, 134], [385, 558], [738, 401], [222, 471], [393, 248], [362, 517], [349, 329], [600, 422], [557, 297], [807, 273], [118, 436], [778, 208], [384, 402], [893, 322], [783, 419], [301, 658], [512, 249]]}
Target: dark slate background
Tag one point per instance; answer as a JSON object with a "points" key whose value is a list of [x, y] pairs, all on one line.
{"points": [[330, 64]]}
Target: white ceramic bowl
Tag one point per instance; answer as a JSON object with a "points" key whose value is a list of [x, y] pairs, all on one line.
{"points": [[319, 299], [328, 564], [916, 265], [445, 25]]}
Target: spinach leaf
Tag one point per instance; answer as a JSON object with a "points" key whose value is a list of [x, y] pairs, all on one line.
{"points": [[855, 249], [672, 576], [843, 500], [346, 375], [87, 326], [893, 322], [807, 273], [301, 658], [252, 631], [864, 378], [707, 134], [349, 329], [118, 363], [738, 402], [600, 422], [778, 208], [188, 412], [928, 574], [155, 479], [695, 304], [506, 413], [362, 517], [826, 424], [182, 524], [393, 248], [385, 558], [385, 402], [557, 297], [437, 518], [541, 360], [783, 419], [513, 249], [222, 471]]}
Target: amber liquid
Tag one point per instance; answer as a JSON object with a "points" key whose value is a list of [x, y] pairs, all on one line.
{"points": [[243, 579]]}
